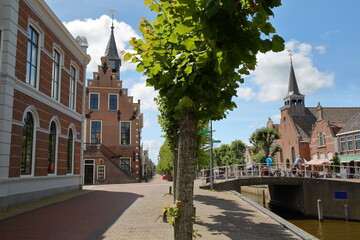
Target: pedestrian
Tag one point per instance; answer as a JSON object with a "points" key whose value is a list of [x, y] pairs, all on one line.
{"points": [[297, 164], [269, 161]]}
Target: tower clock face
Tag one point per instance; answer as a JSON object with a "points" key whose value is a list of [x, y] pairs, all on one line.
{"points": [[111, 64]]}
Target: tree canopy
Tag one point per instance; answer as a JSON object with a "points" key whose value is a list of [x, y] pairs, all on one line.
{"points": [[264, 143], [195, 54]]}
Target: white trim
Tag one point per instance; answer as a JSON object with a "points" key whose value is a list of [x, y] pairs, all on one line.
{"points": [[35, 25], [347, 133], [36, 120], [97, 103], [72, 128], [61, 57], [41, 97], [75, 84], [101, 125], [89, 164], [117, 101], [55, 119], [97, 172], [129, 134]]}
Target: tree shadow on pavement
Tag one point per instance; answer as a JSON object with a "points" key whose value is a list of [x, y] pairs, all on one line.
{"points": [[237, 220]]}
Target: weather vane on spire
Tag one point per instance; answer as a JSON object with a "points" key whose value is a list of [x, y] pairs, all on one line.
{"points": [[291, 53], [112, 11]]}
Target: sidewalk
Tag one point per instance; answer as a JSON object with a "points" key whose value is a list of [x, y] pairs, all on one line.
{"points": [[133, 211]]}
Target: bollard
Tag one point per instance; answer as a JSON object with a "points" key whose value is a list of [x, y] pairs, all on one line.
{"points": [[346, 212], [320, 210], [263, 197], [170, 188]]}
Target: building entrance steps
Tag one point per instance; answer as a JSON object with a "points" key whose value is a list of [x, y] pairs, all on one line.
{"points": [[133, 211]]}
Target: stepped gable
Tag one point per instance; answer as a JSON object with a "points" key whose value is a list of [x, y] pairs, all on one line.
{"points": [[335, 116], [352, 125]]}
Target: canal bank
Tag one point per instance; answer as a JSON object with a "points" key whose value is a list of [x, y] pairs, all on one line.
{"points": [[324, 230]]}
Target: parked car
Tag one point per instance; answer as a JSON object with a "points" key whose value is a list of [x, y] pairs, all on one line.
{"points": [[164, 176]]}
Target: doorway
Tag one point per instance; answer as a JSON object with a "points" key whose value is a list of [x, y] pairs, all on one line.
{"points": [[89, 172]]}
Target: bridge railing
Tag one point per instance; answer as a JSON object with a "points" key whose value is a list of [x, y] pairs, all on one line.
{"points": [[224, 173]]}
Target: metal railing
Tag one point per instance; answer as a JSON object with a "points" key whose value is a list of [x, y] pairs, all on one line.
{"points": [[224, 173]]}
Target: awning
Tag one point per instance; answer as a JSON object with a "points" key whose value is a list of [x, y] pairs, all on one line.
{"points": [[349, 157], [318, 161]]}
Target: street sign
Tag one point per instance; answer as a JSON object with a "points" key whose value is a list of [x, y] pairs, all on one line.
{"points": [[340, 195], [204, 131], [216, 141]]}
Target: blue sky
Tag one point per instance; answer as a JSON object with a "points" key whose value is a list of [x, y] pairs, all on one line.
{"points": [[323, 34]]}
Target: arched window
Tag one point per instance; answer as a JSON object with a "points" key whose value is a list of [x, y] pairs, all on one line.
{"points": [[27, 145], [70, 152], [300, 102], [52, 148], [287, 163], [293, 154], [293, 102]]}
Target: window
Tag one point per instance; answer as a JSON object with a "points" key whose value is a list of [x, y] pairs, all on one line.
{"points": [[293, 154], [94, 101], [55, 86], [113, 102], [52, 148], [27, 145], [32, 57], [125, 164], [350, 143], [357, 142], [70, 152], [95, 132], [72, 88], [321, 139], [125, 133], [101, 172], [342, 144]]}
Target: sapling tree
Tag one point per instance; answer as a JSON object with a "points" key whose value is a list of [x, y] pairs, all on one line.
{"points": [[195, 54]]}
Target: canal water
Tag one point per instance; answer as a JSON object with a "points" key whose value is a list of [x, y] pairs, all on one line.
{"points": [[324, 230]]}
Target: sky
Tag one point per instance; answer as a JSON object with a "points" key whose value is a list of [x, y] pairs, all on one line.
{"points": [[323, 35]]}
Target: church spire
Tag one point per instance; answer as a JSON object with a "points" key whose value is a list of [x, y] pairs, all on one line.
{"points": [[111, 51], [294, 98]]}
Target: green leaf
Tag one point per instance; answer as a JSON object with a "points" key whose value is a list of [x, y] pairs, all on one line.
{"points": [[189, 44], [278, 43], [188, 69], [155, 7], [147, 2], [140, 68], [181, 29], [155, 69], [127, 57], [174, 38]]}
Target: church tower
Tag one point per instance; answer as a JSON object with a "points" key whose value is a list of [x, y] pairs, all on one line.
{"points": [[111, 54], [294, 99]]}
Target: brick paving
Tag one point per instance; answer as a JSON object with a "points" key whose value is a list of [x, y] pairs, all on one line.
{"points": [[133, 211]]}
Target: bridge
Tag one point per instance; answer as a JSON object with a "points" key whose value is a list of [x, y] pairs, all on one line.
{"points": [[339, 196]]}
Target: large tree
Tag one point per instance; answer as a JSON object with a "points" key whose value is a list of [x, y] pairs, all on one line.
{"points": [[264, 143], [195, 54]]}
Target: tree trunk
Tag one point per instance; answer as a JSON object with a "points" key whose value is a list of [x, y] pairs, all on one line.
{"points": [[175, 153], [185, 175]]}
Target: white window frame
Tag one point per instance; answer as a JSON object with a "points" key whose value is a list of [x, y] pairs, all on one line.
{"points": [[73, 149], [117, 101], [72, 98], [97, 172], [101, 131], [347, 143], [39, 46], [130, 140], [356, 139], [98, 104], [35, 116], [343, 140], [58, 129], [56, 77]]}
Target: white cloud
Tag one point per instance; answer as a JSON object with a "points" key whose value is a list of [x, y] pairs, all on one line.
{"points": [[276, 118], [147, 123], [154, 147], [146, 94], [245, 93], [321, 49], [271, 76], [97, 31]]}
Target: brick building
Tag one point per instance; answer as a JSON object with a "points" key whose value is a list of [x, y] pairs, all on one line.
{"points": [[113, 125], [309, 131], [41, 103]]}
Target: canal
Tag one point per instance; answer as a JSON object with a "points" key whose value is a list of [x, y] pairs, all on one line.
{"points": [[324, 230]]}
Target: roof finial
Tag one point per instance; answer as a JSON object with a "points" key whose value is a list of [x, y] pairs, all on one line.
{"points": [[112, 11], [291, 53]]}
